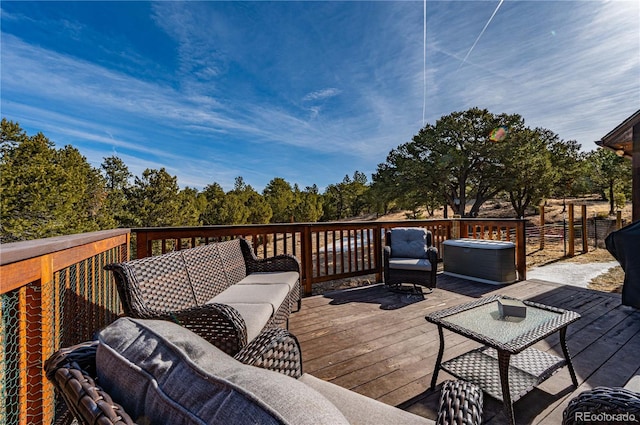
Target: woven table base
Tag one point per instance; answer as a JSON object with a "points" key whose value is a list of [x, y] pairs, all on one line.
{"points": [[526, 370]]}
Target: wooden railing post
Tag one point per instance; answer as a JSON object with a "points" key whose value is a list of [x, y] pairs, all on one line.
{"points": [[143, 248], [585, 230], [571, 250], [521, 250], [36, 327], [542, 227], [377, 246], [618, 219], [307, 260]]}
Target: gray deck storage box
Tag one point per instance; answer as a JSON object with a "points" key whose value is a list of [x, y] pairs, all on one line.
{"points": [[480, 259]]}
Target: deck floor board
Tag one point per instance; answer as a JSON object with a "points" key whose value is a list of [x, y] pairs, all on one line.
{"points": [[377, 343]]}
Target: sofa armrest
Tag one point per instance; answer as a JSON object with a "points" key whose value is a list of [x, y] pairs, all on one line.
{"points": [[72, 372], [460, 403], [219, 324], [602, 400], [274, 349], [277, 263]]}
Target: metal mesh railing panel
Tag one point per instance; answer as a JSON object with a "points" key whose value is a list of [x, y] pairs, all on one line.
{"points": [[39, 318]]}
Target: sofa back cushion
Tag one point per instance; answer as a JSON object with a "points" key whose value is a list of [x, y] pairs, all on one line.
{"points": [[162, 281], [235, 267], [409, 242], [161, 372], [206, 271]]}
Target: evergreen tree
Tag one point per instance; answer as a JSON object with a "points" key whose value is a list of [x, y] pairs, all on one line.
{"points": [[154, 199], [279, 195], [117, 177], [47, 192]]}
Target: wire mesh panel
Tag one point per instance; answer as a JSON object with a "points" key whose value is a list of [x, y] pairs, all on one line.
{"points": [[38, 318]]}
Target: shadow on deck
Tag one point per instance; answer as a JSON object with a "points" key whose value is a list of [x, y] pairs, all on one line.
{"points": [[378, 343]]}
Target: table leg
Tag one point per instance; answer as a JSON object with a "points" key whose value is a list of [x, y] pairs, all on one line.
{"points": [[503, 364], [567, 356], [436, 369]]}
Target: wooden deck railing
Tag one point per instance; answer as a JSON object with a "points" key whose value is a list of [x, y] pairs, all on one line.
{"points": [[54, 292], [329, 251]]}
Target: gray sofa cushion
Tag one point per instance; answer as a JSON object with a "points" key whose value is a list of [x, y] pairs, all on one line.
{"points": [[361, 410], [408, 242], [418, 264], [269, 278], [163, 373], [254, 294]]}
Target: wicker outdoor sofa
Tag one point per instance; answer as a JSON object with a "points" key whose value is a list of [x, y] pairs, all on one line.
{"points": [[157, 372], [221, 291]]}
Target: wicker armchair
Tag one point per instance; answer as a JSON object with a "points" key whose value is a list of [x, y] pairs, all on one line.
{"points": [[409, 257], [603, 405]]}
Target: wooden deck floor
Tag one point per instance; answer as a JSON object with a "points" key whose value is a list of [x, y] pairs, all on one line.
{"points": [[378, 343]]}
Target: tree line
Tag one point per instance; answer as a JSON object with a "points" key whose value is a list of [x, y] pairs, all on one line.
{"points": [[45, 191]]}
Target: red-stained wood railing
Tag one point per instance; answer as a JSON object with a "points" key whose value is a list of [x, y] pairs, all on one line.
{"points": [[329, 251], [54, 292]]}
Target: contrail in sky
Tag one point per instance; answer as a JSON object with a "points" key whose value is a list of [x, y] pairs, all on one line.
{"points": [[481, 32]]}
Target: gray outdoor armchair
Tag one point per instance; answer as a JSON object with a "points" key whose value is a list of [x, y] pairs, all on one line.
{"points": [[410, 257]]}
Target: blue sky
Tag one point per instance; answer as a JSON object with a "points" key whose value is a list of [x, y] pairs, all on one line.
{"points": [[306, 91]]}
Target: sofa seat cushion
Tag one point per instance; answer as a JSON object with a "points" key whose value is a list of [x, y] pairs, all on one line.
{"points": [[269, 278], [408, 242], [256, 317], [418, 264], [161, 372], [361, 410], [254, 294]]}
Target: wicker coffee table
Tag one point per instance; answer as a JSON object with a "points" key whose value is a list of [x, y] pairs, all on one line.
{"points": [[506, 367]]}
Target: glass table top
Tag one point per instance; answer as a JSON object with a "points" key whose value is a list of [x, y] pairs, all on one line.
{"points": [[485, 320], [480, 320]]}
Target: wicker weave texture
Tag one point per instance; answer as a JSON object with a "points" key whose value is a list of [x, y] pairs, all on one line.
{"points": [[461, 403], [274, 349], [526, 370], [72, 371], [603, 405]]}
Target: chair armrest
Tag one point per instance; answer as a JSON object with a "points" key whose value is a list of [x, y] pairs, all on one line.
{"points": [[72, 372], [386, 255], [274, 349], [615, 401], [460, 403]]}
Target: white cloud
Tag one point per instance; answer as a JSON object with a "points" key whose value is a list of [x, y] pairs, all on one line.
{"points": [[322, 94]]}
